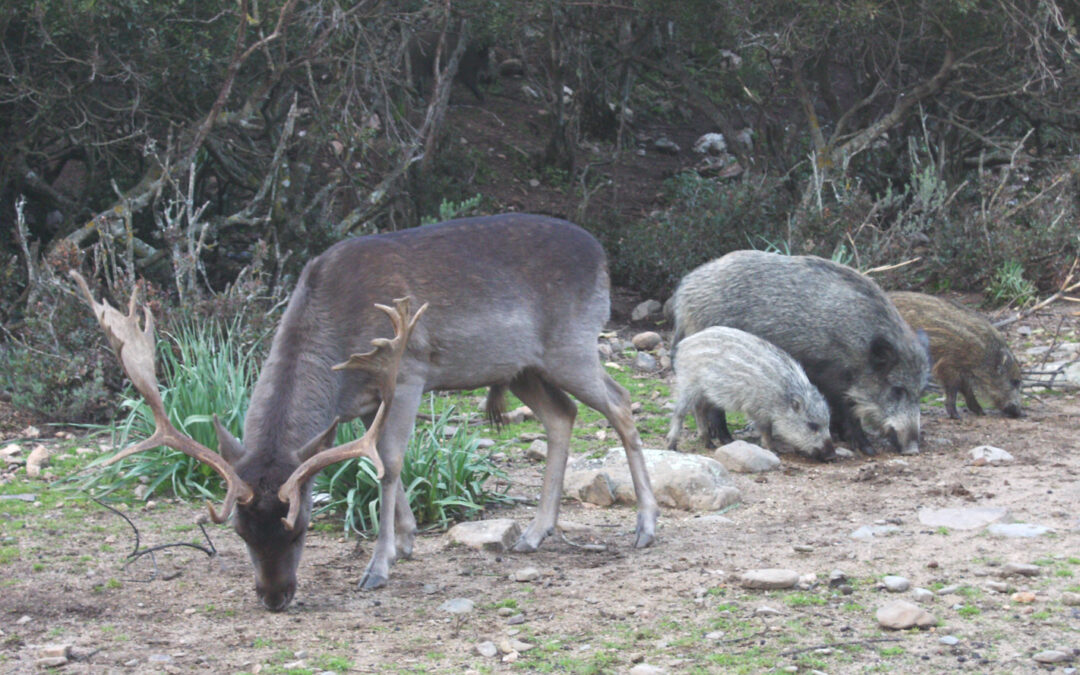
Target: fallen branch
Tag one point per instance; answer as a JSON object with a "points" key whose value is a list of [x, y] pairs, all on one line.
{"points": [[887, 268], [136, 553]]}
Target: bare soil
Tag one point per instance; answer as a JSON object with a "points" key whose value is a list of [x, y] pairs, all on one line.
{"points": [[677, 605]]}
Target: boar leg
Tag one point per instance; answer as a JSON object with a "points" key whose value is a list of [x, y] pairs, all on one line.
{"points": [[950, 403], [969, 398], [702, 410], [718, 426]]}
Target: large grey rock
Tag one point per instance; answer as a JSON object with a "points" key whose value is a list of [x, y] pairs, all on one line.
{"points": [[988, 454], [497, 535], [1072, 374], [962, 519], [769, 578], [901, 615], [743, 457], [681, 481], [645, 309], [1017, 530], [537, 451], [457, 606]]}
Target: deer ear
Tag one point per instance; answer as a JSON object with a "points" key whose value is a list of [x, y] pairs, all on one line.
{"points": [[320, 442], [229, 446]]}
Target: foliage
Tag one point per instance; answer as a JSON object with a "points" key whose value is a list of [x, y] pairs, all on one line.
{"points": [[446, 476], [704, 220], [1009, 287]]}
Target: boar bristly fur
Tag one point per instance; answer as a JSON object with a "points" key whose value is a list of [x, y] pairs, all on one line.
{"points": [[968, 355]]}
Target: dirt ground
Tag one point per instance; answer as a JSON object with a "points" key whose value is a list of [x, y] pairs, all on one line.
{"points": [[677, 606]]}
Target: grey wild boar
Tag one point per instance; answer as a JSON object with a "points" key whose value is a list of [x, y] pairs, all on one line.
{"points": [[837, 323], [731, 369], [423, 48], [967, 354]]}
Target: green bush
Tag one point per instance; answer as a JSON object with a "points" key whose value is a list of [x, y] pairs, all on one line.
{"points": [[446, 479], [704, 220]]}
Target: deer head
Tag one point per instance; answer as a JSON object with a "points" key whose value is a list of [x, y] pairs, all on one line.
{"points": [[271, 496]]}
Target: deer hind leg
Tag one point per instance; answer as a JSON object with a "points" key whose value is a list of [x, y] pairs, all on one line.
{"points": [[556, 412], [595, 388], [392, 444]]}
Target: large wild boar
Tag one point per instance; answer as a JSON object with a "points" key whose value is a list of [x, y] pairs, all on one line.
{"points": [[424, 47], [733, 370], [968, 355], [837, 323]]}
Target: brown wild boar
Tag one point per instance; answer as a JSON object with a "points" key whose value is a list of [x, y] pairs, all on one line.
{"points": [[967, 354], [423, 48]]}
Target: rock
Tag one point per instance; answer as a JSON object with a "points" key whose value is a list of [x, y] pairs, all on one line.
{"points": [[51, 662], [1023, 597], [1052, 656], [599, 491], [647, 669], [961, 518], [1017, 530], [55, 651], [666, 146], [645, 362], [38, 458], [1018, 569], [682, 481], [10, 450], [485, 443], [516, 620], [537, 451], [843, 453], [1072, 374], [802, 548], [837, 578], [646, 341], [712, 143], [511, 68], [950, 640], [743, 457], [988, 454], [645, 309], [765, 610], [518, 415], [997, 586], [519, 646], [1070, 599], [768, 579], [922, 595], [525, 574], [871, 531], [901, 615], [895, 584], [487, 649], [807, 581], [497, 535], [457, 606]]}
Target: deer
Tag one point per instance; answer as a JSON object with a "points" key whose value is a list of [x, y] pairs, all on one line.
{"points": [[510, 302]]}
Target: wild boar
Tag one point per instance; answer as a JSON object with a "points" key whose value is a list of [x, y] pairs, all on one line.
{"points": [[731, 369], [967, 354], [423, 48], [837, 323]]}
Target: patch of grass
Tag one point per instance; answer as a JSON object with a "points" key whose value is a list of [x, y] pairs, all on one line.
{"points": [[891, 651], [1042, 615], [1009, 287], [942, 530], [969, 611], [804, 600], [8, 554]]}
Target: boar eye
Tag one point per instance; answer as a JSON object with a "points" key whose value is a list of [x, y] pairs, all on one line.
{"points": [[897, 393], [1015, 383], [814, 426]]}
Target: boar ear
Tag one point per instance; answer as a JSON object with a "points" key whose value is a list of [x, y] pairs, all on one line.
{"points": [[883, 355]]}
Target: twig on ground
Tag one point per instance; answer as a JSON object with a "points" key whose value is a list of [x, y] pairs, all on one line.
{"points": [[136, 553], [838, 644]]}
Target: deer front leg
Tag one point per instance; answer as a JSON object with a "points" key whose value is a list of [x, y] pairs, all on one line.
{"points": [[392, 445]]}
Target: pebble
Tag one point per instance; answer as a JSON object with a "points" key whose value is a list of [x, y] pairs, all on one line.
{"points": [[646, 341], [1023, 597], [871, 531], [507, 611], [645, 362], [743, 457], [803, 548], [487, 649], [765, 610], [988, 454], [1017, 530], [1052, 656], [497, 534], [457, 606], [844, 453], [647, 669], [537, 451], [922, 595], [895, 584], [51, 662], [769, 578], [997, 586], [960, 518], [525, 574], [1019, 569], [1070, 599], [950, 640], [516, 620], [837, 578], [901, 614]]}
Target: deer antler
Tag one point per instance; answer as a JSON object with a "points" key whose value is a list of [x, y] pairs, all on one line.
{"points": [[383, 362], [134, 348]]}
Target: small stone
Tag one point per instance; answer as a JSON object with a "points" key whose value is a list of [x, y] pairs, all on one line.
{"points": [[961, 518], [807, 581], [743, 457], [1019, 569], [506, 611], [518, 415], [599, 491], [647, 341], [803, 548], [537, 451], [901, 615], [516, 620], [38, 458], [520, 647], [487, 649], [54, 651], [837, 578], [10, 450], [843, 453], [645, 309], [647, 669], [922, 595], [457, 606], [950, 640], [895, 584], [497, 534], [159, 658], [1023, 597], [988, 454], [769, 578], [525, 574], [765, 610], [997, 586], [51, 662], [1070, 599], [871, 531], [1052, 656], [645, 362], [1017, 530]]}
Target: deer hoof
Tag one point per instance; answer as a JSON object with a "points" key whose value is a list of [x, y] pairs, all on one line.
{"points": [[372, 581], [523, 545]]}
